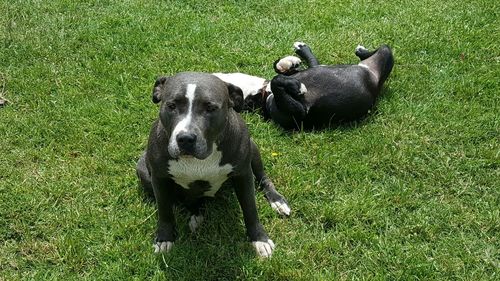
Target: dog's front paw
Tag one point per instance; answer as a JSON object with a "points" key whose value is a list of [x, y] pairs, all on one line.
{"points": [[163, 247], [264, 249], [287, 64], [281, 207], [195, 222]]}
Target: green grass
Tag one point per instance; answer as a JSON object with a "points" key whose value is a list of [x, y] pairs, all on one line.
{"points": [[410, 193]]}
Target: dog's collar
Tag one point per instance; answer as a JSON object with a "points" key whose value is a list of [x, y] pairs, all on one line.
{"points": [[263, 92]]}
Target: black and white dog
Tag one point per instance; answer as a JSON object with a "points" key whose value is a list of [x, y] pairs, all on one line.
{"points": [[320, 95], [196, 144]]}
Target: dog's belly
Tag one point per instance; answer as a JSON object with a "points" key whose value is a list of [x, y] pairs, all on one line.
{"points": [[337, 93], [205, 175]]}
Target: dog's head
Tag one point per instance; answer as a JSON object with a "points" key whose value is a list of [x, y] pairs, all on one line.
{"points": [[194, 109]]}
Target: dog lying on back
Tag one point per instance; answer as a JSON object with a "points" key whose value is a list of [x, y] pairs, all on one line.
{"points": [[320, 95]]}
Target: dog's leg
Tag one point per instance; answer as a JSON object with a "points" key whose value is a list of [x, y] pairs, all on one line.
{"points": [[275, 199], [363, 53], [245, 192], [379, 63], [288, 95], [165, 234], [303, 51]]}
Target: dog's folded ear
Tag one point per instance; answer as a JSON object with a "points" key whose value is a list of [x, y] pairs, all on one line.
{"points": [[158, 88], [235, 97]]}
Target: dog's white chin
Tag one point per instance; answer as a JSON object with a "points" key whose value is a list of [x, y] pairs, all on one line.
{"points": [[175, 153], [186, 156]]}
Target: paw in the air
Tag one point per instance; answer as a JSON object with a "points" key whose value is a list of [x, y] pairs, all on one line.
{"points": [[360, 48], [298, 45], [195, 222], [163, 247], [288, 63], [281, 207], [264, 249]]}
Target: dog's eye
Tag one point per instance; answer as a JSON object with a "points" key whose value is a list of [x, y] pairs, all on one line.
{"points": [[211, 107], [171, 106]]}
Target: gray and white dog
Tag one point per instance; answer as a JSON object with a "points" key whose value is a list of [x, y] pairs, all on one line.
{"points": [[196, 144], [318, 96]]}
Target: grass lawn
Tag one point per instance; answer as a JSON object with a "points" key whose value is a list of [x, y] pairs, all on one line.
{"points": [[410, 193]]}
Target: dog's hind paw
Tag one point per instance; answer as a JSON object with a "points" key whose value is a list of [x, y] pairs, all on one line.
{"points": [[163, 247], [281, 207], [264, 249], [287, 64], [195, 222], [298, 45], [360, 48]]}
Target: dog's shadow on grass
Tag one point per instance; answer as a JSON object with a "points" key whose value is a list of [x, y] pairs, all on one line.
{"points": [[218, 250]]}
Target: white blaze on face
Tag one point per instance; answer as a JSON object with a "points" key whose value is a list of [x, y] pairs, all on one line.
{"points": [[183, 125]]}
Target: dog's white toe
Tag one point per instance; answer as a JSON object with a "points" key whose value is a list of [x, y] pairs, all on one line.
{"points": [[297, 45], [264, 249], [295, 61], [281, 207], [195, 222], [361, 48], [163, 247]]}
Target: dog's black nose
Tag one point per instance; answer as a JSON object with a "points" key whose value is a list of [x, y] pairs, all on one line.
{"points": [[186, 141]]}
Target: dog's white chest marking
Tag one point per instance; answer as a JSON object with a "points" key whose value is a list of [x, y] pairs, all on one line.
{"points": [[186, 170]]}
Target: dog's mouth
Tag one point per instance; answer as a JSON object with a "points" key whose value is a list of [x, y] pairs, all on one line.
{"points": [[199, 153], [187, 155]]}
